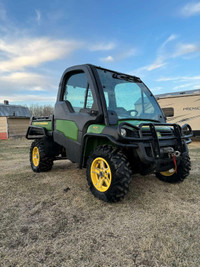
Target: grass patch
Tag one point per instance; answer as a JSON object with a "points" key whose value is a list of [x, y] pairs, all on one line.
{"points": [[41, 224]]}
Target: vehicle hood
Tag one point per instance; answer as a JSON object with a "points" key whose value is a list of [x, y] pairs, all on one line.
{"points": [[138, 122]]}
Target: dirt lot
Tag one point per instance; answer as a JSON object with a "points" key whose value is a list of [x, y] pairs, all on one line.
{"points": [[157, 224]]}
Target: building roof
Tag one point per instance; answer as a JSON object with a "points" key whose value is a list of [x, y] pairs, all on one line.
{"points": [[14, 111], [181, 93]]}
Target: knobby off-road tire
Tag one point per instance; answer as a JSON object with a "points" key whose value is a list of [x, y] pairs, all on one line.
{"points": [[183, 171], [108, 174], [40, 162]]}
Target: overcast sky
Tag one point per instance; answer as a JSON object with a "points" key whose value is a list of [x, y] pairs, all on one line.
{"points": [[158, 41]]}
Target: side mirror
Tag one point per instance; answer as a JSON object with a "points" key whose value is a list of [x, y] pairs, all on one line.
{"points": [[168, 112], [187, 130], [112, 116]]}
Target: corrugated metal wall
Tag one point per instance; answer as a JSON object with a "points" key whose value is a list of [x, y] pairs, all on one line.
{"points": [[17, 127], [3, 128]]}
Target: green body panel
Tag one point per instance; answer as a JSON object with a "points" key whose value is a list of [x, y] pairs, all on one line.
{"points": [[44, 124], [98, 128], [95, 128], [94, 142], [68, 128]]}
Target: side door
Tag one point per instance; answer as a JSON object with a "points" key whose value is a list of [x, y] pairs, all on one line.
{"points": [[77, 107]]}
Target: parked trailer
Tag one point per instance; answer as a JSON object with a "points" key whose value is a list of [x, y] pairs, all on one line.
{"points": [[186, 107]]}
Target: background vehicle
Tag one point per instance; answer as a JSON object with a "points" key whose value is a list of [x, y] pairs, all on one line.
{"points": [[110, 123], [186, 106]]}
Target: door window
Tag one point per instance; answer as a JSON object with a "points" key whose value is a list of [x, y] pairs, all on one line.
{"points": [[78, 92]]}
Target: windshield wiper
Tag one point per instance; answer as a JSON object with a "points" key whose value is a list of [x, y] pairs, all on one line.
{"points": [[126, 77]]}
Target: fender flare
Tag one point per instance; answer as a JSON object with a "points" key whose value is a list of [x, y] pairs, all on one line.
{"points": [[105, 136]]}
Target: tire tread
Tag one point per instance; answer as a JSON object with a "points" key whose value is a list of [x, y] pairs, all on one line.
{"points": [[121, 173], [182, 172], [46, 162]]}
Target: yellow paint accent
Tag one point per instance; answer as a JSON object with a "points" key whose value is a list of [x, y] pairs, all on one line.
{"points": [[101, 175], [35, 156], [40, 123], [169, 172]]}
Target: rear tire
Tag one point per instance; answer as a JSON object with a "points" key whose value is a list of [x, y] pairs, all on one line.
{"points": [[40, 162], [108, 174], [183, 171]]}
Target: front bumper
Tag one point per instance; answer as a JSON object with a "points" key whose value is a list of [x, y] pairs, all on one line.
{"points": [[153, 149]]}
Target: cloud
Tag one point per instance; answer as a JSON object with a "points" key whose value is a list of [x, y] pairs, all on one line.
{"points": [[31, 52], [190, 9], [26, 80], [38, 16], [183, 49], [190, 82], [126, 54], [162, 54], [178, 78], [3, 13], [156, 65], [196, 86], [168, 50], [183, 86], [22, 57], [119, 56], [29, 98], [102, 46], [189, 86], [161, 57], [157, 89], [172, 37], [107, 59]]}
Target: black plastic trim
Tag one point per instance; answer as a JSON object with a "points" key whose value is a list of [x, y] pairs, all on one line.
{"points": [[32, 136]]}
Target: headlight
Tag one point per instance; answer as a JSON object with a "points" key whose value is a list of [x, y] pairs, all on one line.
{"points": [[123, 132]]}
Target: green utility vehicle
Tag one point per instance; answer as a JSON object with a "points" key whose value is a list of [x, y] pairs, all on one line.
{"points": [[110, 123]]}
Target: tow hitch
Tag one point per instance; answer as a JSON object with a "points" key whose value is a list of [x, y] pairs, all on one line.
{"points": [[174, 155]]}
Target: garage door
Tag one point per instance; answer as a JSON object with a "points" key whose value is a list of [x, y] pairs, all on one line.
{"points": [[17, 127]]}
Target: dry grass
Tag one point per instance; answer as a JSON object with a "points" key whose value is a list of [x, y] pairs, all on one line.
{"points": [[157, 224]]}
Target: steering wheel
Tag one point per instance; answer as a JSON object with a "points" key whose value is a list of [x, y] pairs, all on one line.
{"points": [[132, 110]]}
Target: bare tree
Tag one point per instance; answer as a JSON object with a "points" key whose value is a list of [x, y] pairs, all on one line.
{"points": [[43, 110]]}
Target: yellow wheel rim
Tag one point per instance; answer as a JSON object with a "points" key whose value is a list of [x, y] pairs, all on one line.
{"points": [[101, 174], [35, 156], [169, 172]]}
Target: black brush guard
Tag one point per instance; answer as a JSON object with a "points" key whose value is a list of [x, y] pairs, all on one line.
{"points": [[178, 138]]}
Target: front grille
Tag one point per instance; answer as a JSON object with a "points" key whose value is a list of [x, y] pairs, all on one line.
{"points": [[161, 133]]}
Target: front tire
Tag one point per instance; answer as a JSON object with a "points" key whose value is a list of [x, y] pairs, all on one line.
{"points": [[40, 162], [108, 174], [183, 170]]}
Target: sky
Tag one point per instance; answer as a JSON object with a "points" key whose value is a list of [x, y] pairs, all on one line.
{"points": [[159, 41]]}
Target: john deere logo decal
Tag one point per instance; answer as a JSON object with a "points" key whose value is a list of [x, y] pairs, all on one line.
{"points": [[159, 134]]}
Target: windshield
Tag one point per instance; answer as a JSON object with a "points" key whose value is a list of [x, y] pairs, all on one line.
{"points": [[128, 97]]}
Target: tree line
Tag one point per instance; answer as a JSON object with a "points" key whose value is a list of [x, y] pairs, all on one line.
{"points": [[41, 110]]}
